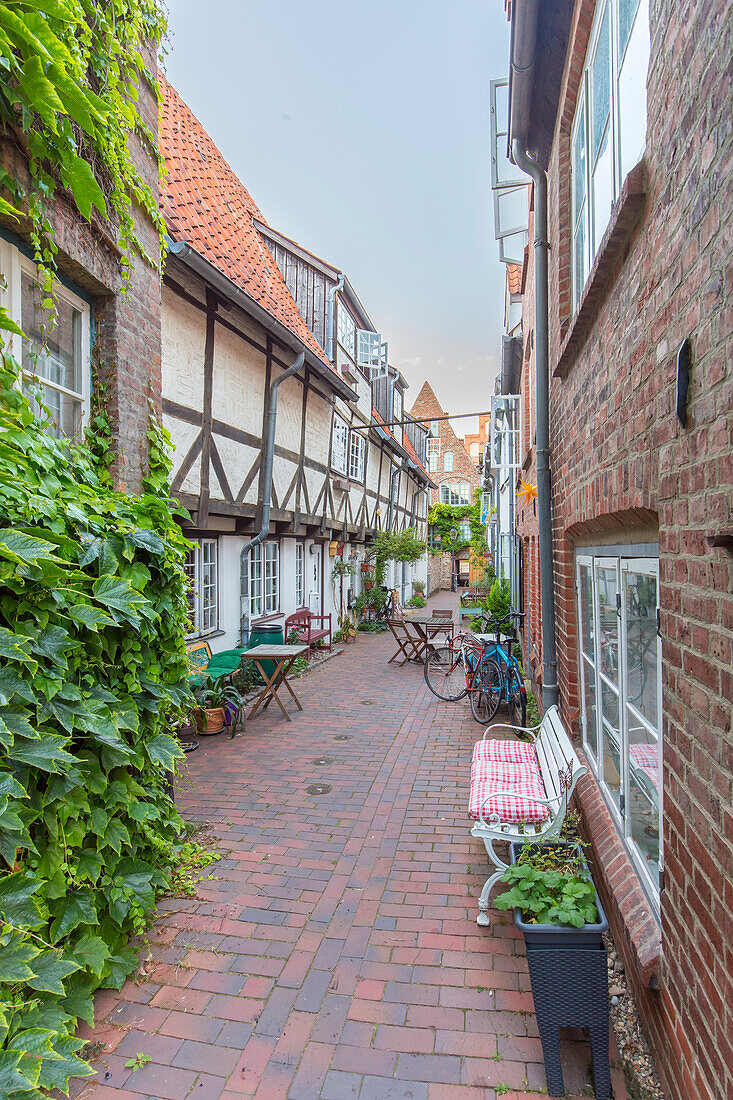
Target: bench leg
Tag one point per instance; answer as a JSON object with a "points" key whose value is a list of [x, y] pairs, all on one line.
{"points": [[483, 917]]}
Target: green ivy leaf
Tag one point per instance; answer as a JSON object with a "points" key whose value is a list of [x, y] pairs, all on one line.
{"points": [[163, 751], [89, 616], [49, 972], [120, 596], [15, 957], [17, 904], [148, 540], [74, 909], [20, 547], [17, 647], [12, 1079], [92, 952], [87, 193], [48, 753]]}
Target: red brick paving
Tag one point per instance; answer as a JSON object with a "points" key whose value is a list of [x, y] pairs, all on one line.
{"points": [[336, 953]]}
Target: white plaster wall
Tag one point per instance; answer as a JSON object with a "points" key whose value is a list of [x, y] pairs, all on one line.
{"points": [[183, 338], [239, 382], [230, 547]]}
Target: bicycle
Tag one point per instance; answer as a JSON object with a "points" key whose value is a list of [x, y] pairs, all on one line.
{"points": [[512, 690], [462, 667]]}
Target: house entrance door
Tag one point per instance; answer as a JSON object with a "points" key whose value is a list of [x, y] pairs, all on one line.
{"points": [[314, 576]]}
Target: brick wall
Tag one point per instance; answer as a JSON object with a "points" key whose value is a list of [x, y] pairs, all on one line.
{"points": [[126, 326], [622, 466]]}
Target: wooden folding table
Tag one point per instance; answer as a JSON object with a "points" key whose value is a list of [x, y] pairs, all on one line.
{"points": [[427, 627], [282, 657]]}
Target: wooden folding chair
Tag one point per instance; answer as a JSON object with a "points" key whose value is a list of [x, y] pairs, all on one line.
{"points": [[409, 647]]}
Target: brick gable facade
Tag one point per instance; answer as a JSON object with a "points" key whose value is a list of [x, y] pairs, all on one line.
{"points": [[626, 472], [464, 471]]}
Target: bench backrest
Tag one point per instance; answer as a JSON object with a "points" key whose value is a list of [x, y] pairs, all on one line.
{"points": [[556, 756], [199, 655], [300, 620]]}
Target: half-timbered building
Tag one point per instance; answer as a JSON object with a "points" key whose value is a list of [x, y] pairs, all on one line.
{"points": [[240, 303]]}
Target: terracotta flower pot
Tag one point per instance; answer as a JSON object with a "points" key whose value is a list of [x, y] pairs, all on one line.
{"points": [[210, 720]]}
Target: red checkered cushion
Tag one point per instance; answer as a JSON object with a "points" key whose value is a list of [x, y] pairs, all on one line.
{"points": [[518, 778], [513, 751], [646, 758]]}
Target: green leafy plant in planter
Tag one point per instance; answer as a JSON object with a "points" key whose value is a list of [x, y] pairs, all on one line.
{"points": [[417, 601], [343, 569], [418, 588], [214, 698], [375, 598], [550, 885], [376, 627]]}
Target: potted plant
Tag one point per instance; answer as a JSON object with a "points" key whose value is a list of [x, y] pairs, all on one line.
{"points": [[343, 569], [557, 910], [219, 704]]}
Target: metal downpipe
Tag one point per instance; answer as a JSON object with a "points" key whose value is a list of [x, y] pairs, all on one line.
{"points": [[330, 309], [269, 454], [550, 691]]}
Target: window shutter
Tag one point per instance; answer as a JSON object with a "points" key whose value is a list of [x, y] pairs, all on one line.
{"points": [[367, 349]]}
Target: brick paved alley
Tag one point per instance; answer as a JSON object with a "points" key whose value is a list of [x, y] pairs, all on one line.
{"points": [[336, 954]]}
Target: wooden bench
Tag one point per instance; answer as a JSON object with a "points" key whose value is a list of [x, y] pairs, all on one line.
{"points": [[521, 790], [302, 623]]}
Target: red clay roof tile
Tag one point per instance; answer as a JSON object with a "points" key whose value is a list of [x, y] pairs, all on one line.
{"points": [[207, 206], [514, 278]]}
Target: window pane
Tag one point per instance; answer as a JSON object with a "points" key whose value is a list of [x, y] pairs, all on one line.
{"points": [[448, 461], [600, 85], [602, 190], [640, 644], [590, 729], [643, 801], [608, 622], [191, 595], [611, 740], [585, 596], [255, 582], [346, 329], [626, 13], [60, 361], [65, 411], [632, 93], [579, 268], [208, 587], [579, 167], [339, 445]]}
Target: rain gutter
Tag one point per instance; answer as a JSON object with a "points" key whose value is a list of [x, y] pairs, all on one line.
{"points": [[521, 80]]}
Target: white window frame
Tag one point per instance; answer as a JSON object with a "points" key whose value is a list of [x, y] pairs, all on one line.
{"points": [[346, 330], [433, 453], [357, 455], [299, 574], [505, 431], [13, 264], [448, 461], [203, 595], [458, 493], [464, 530], [368, 350], [264, 580], [590, 672], [397, 414], [583, 211], [340, 445]]}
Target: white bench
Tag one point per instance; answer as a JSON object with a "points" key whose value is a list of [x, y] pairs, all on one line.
{"points": [[517, 775]]}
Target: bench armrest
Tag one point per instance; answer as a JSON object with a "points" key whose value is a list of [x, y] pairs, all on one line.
{"points": [[512, 794], [532, 730]]}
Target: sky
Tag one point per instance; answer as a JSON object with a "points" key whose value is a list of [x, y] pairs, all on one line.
{"points": [[361, 130]]}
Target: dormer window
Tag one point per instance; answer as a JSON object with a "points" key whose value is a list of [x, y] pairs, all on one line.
{"points": [[397, 414], [346, 329]]}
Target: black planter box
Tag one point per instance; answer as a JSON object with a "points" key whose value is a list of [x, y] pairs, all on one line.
{"points": [[569, 976]]}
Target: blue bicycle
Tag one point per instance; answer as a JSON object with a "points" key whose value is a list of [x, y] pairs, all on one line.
{"points": [[509, 684]]}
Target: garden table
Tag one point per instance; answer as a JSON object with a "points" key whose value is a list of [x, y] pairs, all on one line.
{"points": [[282, 657], [427, 626]]}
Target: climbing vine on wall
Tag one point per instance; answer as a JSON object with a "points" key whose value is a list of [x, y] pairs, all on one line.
{"points": [[92, 666], [70, 73]]}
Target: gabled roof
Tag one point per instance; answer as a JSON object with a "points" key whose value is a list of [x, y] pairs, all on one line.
{"points": [[207, 206], [406, 446]]}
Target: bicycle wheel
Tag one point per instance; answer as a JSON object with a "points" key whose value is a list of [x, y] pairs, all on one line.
{"points": [[444, 674], [486, 691], [516, 697]]}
